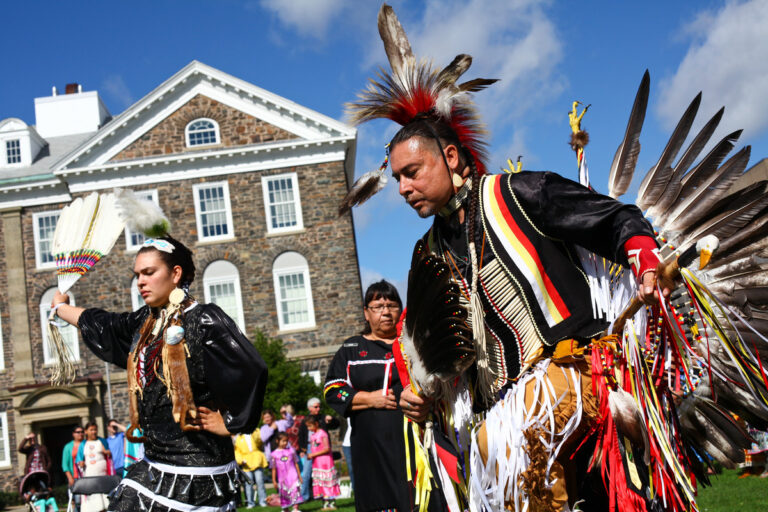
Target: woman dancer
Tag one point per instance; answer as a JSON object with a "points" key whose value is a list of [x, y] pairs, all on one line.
{"points": [[286, 476], [193, 378]]}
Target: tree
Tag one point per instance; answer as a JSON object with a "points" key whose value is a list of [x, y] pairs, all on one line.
{"points": [[285, 383]]}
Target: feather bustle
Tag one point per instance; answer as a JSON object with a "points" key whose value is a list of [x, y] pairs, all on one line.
{"points": [[624, 160]]}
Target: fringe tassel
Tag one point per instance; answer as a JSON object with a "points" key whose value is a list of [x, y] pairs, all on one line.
{"points": [[64, 371], [485, 376]]}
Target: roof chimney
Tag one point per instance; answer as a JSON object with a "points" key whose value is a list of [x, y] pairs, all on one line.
{"points": [[70, 113]]}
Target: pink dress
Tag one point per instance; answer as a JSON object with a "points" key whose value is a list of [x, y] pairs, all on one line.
{"points": [[284, 461], [324, 482]]}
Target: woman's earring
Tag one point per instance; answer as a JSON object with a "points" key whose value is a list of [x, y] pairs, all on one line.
{"points": [[457, 180], [177, 296]]}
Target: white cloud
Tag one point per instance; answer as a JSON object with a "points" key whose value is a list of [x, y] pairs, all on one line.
{"points": [[728, 61], [512, 40], [115, 86], [369, 276], [308, 17]]}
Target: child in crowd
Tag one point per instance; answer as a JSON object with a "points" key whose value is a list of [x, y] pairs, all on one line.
{"points": [[325, 485], [40, 497], [285, 473]]}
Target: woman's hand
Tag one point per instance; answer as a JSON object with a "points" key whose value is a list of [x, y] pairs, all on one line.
{"points": [[59, 298], [413, 406], [107, 453], [211, 421], [379, 399]]}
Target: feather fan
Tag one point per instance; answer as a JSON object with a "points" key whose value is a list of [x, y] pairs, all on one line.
{"points": [[671, 192], [699, 198], [85, 232], [435, 336], [658, 176], [624, 161]]}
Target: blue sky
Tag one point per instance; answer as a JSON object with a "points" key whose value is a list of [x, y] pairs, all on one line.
{"points": [[319, 53]]}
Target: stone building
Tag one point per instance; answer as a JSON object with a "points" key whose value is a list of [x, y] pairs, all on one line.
{"points": [[250, 181]]}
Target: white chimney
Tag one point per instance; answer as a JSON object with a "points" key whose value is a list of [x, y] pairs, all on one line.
{"points": [[71, 113]]}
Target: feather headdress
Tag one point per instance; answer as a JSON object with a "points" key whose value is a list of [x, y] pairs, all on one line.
{"points": [[414, 88], [85, 232], [141, 215]]}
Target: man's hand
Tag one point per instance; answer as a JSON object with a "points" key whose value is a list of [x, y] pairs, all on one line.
{"points": [[646, 290], [413, 406], [211, 421]]}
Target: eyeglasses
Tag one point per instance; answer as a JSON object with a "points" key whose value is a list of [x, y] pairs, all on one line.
{"points": [[382, 307], [79, 432]]}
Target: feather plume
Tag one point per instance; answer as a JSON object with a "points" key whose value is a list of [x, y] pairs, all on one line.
{"points": [[671, 192], [141, 215], [435, 334], [396, 44], [624, 161], [629, 420], [363, 189], [414, 88], [717, 432], [658, 176], [699, 198]]}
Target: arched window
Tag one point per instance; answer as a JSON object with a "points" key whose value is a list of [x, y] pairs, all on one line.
{"points": [[221, 286], [293, 292], [68, 333], [137, 301], [202, 132]]}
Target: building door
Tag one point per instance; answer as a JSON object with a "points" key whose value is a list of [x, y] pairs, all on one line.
{"points": [[54, 438]]}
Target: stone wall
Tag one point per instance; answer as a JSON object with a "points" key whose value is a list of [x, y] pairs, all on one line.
{"points": [[236, 128]]}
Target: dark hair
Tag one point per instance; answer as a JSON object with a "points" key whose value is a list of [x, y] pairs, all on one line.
{"points": [[90, 424], [268, 411], [180, 256], [380, 290], [76, 427], [279, 436], [311, 420], [432, 129]]}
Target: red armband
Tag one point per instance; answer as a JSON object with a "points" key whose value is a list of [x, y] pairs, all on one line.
{"points": [[642, 254]]}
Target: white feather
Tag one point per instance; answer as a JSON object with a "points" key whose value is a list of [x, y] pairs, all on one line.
{"points": [[141, 215]]}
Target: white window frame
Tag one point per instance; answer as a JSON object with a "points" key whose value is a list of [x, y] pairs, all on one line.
{"points": [[36, 231], [5, 462], [284, 271], [215, 129], [235, 279], [129, 247], [296, 203], [45, 309], [5, 152], [137, 301], [199, 217]]}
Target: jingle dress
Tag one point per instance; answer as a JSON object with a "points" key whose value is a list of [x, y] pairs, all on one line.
{"points": [[184, 471], [378, 446]]}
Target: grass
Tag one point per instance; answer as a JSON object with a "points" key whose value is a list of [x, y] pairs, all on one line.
{"points": [[728, 493], [731, 493], [345, 505]]}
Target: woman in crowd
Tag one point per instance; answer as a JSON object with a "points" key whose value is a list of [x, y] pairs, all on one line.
{"points": [[193, 378], [94, 459], [363, 384], [271, 426]]}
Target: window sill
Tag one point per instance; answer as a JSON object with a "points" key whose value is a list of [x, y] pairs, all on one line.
{"points": [[202, 243], [287, 232], [297, 330], [45, 269], [5, 466]]}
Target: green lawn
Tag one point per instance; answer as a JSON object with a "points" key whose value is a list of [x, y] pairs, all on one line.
{"points": [[731, 493], [728, 493]]}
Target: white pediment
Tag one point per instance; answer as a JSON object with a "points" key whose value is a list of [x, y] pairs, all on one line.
{"points": [[193, 80], [12, 124]]}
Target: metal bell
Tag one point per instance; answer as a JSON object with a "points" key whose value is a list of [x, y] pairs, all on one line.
{"points": [[186, 488], [173, 486], [217, 488], [159, 483]]}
